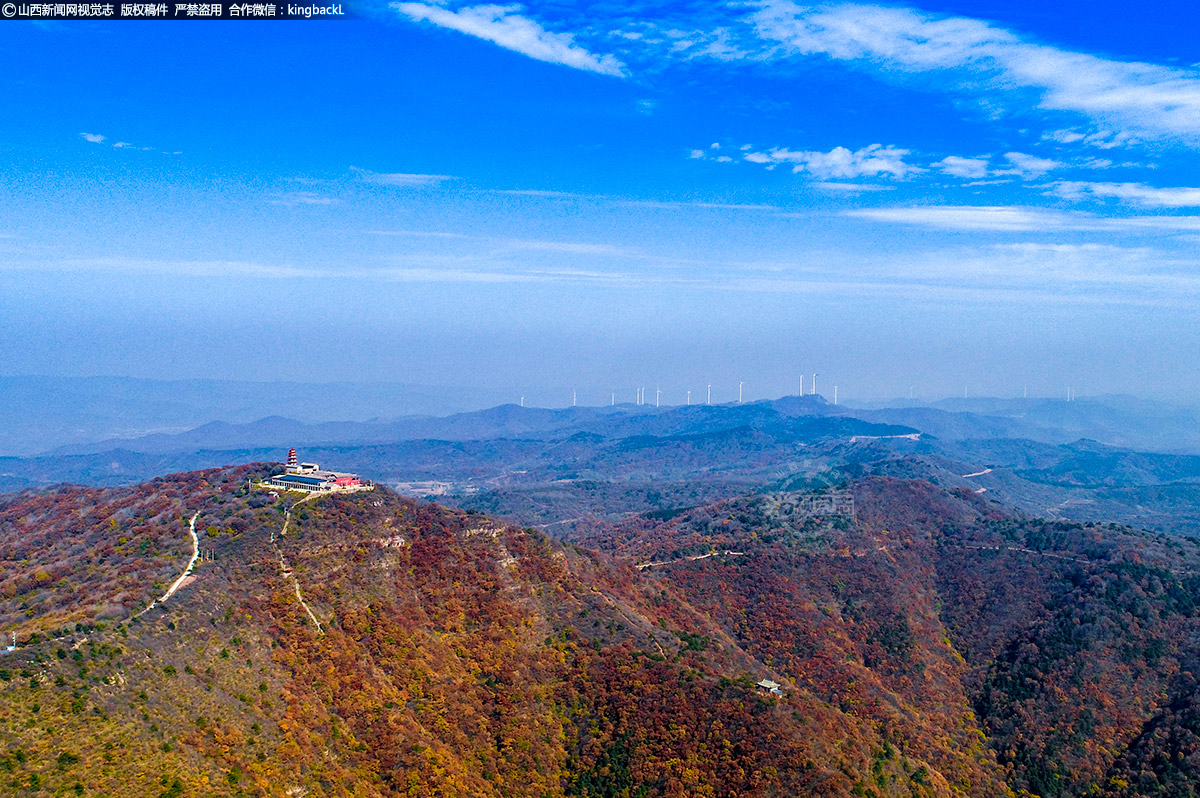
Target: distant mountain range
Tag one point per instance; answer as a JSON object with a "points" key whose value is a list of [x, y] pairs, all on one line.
{"points": [[68, 415], [573, 465], [1117, 421], [42, 413]]}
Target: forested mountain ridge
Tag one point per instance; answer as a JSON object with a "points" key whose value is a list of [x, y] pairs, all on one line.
{"points": [[445, 654], [939, 615], [928, 643]]}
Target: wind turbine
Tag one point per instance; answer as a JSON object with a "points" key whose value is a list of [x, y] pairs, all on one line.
{"points": [[574, 398], [814, 384], [740, 384], [835, 394], [709, 400], [689, 399], [657, 396]]}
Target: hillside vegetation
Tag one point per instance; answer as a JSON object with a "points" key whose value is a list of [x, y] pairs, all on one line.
{"points": [[1057, 657], [927, 643]]}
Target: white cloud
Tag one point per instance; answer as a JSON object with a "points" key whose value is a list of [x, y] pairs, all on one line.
{"points": [[414, 233], [502, 25], [851, 188], [1134, 193], [996, 218], [840, 162], [569, 247], [398, 178], [1063, 136], [1103, 139], [1017, 218], [96, 138], [973, 168], [710, 206], [1159, 224], [293, 199], [534, 192], [1149, 99], [697, 154], [432, 269], [192, 268], [1030, 166]]}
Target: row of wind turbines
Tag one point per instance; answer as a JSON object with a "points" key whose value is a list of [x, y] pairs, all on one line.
{"points": [[640, 394]]}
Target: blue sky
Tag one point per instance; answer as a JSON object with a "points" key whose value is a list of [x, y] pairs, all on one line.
{"points": [[536, 197]]}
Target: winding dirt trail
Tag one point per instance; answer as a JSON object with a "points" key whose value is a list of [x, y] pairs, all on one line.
{"points": [[187, 571], [287, 571], [644, 565]]}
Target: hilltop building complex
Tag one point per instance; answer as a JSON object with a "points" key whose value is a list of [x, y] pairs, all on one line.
{"points": [[310, 478]]}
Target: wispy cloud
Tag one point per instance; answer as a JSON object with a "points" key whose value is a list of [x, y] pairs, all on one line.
{"points": [[875, 160], [222, 269], [1121, 101], [1050, 273], [638, 203], [293, 199], [995, 218], [503, 25], [398, 178], [440, 275], [851, 188], [1103, 139], [1029, 166], [957, 166], [1159, 224], [414, 234], [569, 247], [425, 269], [880, 161], [97, 138], [543, 193], [669, 205], [1141, 98], [1134, 193], [1017, 218]]}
